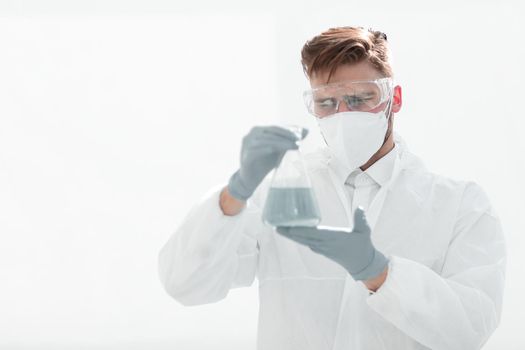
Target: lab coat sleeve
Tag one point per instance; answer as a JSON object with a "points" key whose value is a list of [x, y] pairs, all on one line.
{"points": [[460, 307], [210, 253]]}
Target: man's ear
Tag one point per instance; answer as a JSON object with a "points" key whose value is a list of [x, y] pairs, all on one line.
{"points": [[398, 100]]}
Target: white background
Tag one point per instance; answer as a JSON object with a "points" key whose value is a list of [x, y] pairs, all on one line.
{"points": [[116, 116]]}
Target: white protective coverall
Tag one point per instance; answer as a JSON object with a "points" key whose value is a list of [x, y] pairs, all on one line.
{"points": [[445, 276]]}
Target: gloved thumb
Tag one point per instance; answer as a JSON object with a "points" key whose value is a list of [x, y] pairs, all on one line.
{"points": [[360, 223], [304, 133]]}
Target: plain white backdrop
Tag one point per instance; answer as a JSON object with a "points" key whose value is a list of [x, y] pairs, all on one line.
{"points": [[116, 117]]}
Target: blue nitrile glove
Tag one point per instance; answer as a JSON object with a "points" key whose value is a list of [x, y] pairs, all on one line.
{"points": [[351, 249], [262, 150]]}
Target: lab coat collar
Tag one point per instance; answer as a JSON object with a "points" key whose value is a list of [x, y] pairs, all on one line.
{"points": [[380, 171]]}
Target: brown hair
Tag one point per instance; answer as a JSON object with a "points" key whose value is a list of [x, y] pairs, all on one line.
{"points": [[345, 45]]}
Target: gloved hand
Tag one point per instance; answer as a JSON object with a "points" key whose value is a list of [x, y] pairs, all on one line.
{"points": [[351, 249], [262, 150]]}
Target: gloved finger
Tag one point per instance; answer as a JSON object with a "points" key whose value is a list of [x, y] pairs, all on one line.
{"points": [[305, 132], [265, 140], [280, 131], [310, 233], [360, 223], [258, 152], [331, 235], [260, 132], [303, 241], [318, 249]]}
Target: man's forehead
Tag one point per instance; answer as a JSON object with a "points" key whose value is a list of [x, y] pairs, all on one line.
{"points": [[362, 71], [347, 87]]}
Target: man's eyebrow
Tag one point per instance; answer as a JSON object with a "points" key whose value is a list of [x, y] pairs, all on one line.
{"points": [[366, 93], [320, 98]]}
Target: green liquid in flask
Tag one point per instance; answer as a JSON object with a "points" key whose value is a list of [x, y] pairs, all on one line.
{"points": [[291, 207]]}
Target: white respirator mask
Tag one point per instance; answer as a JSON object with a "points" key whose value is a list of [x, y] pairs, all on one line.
{"points": [[354, 137]]}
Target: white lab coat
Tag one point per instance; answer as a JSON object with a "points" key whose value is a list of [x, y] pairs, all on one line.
{"points": [[445, 276]]}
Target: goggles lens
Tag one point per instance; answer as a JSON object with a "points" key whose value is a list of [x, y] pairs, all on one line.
{"points": [[362, 96]]}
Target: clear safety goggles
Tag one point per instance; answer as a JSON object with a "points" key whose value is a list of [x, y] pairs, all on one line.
{"points": [[362, 96]]}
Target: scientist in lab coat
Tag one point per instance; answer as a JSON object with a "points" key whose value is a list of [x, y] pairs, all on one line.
{"points": [[402, 259]]}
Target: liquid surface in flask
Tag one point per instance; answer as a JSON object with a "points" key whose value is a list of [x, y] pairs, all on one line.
{"points": [[291, 206]]}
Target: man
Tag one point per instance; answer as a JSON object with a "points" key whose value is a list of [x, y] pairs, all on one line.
{"points": [[404, 258]]}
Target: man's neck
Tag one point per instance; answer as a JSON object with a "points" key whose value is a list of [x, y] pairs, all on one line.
{"points": [[387, 147]]}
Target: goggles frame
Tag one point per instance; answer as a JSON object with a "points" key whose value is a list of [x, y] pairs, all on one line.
{"points": [[385, 86]]}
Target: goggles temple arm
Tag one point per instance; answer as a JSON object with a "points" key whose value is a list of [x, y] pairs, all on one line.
{"points": [[390, 102]]}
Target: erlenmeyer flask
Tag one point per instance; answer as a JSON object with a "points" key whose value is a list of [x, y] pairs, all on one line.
{"points": [[291, 200]]}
